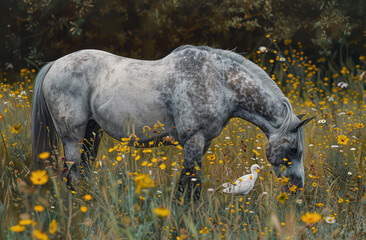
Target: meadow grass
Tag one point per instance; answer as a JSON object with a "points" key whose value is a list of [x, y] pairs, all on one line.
{"points": [[114, 204]]}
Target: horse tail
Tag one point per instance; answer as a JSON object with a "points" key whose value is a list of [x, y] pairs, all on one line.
{"points": [[44, 136]]}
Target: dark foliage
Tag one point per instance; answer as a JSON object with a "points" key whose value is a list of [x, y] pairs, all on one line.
{"points": [[35, 31]]}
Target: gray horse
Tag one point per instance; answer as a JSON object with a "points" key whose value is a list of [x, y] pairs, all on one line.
{"points": [[192, 93]]}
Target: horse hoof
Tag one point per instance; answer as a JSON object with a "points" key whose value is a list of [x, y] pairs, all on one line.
{"points": [[72, 181], [70, 187], [188, 191]]}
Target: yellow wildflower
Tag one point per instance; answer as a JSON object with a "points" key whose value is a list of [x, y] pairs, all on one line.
{"points": [[342, 139], [311, 218], [282, 198], [293, 188], [39, 177], [257, 153], [162, 166], [83, 209], [17, 228], [16, 128], [38, 234], [44, 155], [211, 157], [38, 208], [162, 212], [287, 41], [358, 125], [284, 180], [87, 197], [335, 75], [25, 222], [204, 230], [53, 226], [143, 181]]}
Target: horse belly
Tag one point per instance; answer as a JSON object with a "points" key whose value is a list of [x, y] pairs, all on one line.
{"points": [[126, 115]]}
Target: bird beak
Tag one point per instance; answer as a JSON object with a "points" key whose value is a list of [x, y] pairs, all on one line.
{"points": [[260, 169]]}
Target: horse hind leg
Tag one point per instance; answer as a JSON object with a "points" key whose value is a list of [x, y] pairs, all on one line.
{"points": [[91, 142], [72, 138], [70, 115]]}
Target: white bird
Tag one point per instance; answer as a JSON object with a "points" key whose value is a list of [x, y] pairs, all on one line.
{"points": [[245, 183]]}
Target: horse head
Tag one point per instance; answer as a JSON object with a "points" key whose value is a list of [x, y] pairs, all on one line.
{"points": [[287, 148]]}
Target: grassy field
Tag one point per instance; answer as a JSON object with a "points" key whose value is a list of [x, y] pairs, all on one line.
{"points": [[130, 194]]}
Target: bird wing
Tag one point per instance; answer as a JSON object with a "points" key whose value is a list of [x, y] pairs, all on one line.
{"points": [[245, 178], [226, 185], [242, 186], [238, 181], [231, 189]]}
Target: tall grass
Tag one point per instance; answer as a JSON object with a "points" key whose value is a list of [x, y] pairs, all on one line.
{"points": [[335, 172]]}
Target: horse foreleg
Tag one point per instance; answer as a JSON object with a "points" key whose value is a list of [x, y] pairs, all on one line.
{"points": [[189, 184]]}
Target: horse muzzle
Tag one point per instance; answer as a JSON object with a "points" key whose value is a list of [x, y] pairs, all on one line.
{"points": [[296, 175], [296, 180]]}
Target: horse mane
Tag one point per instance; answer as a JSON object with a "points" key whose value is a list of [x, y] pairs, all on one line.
{"points": [[258, 73], [251, 67]]}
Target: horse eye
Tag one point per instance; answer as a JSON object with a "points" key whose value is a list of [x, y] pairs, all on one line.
{"points": [[293, 150]]}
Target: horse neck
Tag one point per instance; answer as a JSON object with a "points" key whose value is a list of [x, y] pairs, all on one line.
{"points": [[261, 105]]}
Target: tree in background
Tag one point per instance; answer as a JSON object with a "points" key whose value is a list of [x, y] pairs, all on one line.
{"points": [[34, 31]]}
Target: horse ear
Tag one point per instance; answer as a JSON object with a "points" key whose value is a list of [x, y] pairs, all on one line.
{"points": [[302, 124], [300, 116]]}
